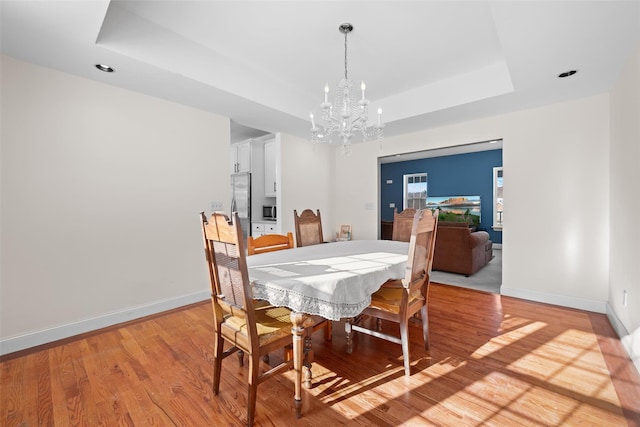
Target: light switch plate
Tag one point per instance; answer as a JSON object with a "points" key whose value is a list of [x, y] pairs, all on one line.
{"points": [[392, 205], [216, 206]]}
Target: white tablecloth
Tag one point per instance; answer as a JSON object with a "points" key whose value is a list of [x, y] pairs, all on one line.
{"points": [[333, 280]]}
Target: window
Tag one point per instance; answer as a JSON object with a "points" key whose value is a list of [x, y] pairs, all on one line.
{"points": [[497, 198], [415, 191]]}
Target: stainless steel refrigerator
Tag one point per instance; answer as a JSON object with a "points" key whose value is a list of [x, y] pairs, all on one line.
{"points": [[241, 200]]}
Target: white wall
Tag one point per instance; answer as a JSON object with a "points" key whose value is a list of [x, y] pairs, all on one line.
{"points": [[625, 206], [101, 190], [556, 238], [306, 178], [356, 195]]}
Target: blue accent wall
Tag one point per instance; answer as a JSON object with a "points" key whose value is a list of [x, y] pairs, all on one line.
{"points": [[469, 174]]}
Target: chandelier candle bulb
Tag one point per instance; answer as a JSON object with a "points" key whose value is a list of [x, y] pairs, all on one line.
{"points": [[313, 125], [326, 93], [379, 117], [363, 87]]}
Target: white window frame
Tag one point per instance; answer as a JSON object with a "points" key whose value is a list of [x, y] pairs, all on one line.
{"points": [[405, 198], [498, 220]]}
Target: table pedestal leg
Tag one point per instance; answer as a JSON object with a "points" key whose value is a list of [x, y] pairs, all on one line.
{"points": [[297, 319], [348, 332], [308, 359]]}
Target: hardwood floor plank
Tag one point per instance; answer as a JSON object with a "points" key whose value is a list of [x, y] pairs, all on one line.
{"points": [[15, 395], [44, 397], [60, 398]]}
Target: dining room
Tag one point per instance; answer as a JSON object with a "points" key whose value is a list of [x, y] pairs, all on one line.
{"points": [[105, 310]]}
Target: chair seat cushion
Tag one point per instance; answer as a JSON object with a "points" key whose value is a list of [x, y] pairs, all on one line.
{"points": [[272, 324], [389, 298]]}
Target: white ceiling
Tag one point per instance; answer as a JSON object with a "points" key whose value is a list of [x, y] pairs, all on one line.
{"points": [[264, 64]]}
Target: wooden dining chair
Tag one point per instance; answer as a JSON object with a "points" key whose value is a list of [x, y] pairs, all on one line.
{"points": [[269, 243], [402, 223], [256, 330], [308, 227], [398, 300]]}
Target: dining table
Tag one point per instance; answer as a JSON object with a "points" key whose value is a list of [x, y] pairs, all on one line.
{"points": [[334, 280]]}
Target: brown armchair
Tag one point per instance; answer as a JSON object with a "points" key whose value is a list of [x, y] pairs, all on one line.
{"points": [[460, 249]]}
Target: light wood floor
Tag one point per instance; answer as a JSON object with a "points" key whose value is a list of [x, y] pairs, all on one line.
{"points": [[494, 361]]}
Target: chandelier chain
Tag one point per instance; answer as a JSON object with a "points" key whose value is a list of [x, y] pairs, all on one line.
{"points": [[345, 56]]}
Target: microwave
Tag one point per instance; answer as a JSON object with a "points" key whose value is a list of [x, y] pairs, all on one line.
{"points": [[269, 212]]}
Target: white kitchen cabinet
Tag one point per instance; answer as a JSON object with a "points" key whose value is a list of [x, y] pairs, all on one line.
{"points": [[270, 169], [241, 157], [257, 229], [260, 228]]}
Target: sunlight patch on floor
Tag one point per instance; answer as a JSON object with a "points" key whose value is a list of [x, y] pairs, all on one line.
{"points": [[514, 333]]}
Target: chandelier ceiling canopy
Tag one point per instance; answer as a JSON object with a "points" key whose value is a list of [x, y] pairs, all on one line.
{"points": [[347, 115]]}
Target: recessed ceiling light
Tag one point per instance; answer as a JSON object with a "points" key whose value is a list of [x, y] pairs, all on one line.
{"points": [[567, 73], [104, 68]]}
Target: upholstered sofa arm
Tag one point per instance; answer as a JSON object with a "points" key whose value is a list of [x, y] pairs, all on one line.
{"points": [[477, 238]]}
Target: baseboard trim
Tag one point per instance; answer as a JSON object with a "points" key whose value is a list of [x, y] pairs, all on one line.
{"points": [[626, 338], [36, 338], [555, 299]]}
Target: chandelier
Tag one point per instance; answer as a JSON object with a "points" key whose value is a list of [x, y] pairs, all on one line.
{"points": [[347, 115]]}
